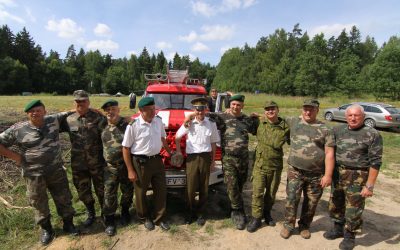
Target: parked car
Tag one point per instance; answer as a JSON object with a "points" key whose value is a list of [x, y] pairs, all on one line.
{"points": [[376, 114]]}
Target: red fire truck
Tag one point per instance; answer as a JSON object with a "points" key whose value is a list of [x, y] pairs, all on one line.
{"points": [[172, 93]]}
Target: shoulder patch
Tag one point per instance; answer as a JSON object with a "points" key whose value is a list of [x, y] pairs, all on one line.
{"points": [[132, 122]]}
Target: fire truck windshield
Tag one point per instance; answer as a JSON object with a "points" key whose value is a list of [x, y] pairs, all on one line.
{"points": [[173, 101]]}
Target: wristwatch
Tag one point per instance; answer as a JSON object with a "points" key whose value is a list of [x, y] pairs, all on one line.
{"points": [[370, 187]]}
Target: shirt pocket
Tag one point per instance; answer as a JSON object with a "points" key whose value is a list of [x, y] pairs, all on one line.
{"points": [[202, 136]]}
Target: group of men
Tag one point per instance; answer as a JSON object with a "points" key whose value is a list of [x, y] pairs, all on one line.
{"points": [[109, 151]]}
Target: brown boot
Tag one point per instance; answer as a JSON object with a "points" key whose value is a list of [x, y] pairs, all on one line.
{"points": [[285, 233], [305, 233]]}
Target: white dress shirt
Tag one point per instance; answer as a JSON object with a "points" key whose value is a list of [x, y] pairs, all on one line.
{"points": [[200, 135], [144, 138]]}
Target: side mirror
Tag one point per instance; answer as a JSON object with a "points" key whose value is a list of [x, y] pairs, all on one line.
{"points": [[132, 101]]}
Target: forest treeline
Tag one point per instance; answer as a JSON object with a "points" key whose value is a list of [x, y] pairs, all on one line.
{"points": [[282, 63]]}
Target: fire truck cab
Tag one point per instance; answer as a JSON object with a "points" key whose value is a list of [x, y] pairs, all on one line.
{"points": [[173, 93]]}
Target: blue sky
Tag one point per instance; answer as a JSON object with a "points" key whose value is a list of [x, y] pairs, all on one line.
{"points": [[198, 28]]}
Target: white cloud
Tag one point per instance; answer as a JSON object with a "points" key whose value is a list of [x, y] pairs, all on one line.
{"points": [[210, 33], [104, 46], [131, 52], [30, 15], [6, 16], [170, 56], [216, 32], [199, 47], [202, 7], [8, 3], [331, 30], [163, 45], [65, 28], [189, 38], [102, 30], [224, 49]]}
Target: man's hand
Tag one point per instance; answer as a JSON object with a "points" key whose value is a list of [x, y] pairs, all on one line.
{"points": [[325, 181], [366, 193], [212, 166], [132, 176]]}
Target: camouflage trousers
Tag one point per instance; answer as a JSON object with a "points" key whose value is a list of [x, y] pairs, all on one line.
{"points": [[115, 176], [346, 204], [235, 175], [83, 179], [56, 183], [265, 185], [299, 181]]}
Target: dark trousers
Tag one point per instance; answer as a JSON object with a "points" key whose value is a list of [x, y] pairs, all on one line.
{"points": [[150, 171], [197, 176]]}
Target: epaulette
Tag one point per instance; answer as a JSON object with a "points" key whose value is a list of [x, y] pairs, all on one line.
{"points": [[132, 122], [158, 116], [212, 119]]}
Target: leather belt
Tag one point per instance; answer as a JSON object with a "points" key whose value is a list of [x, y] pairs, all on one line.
{"points": [[147, 157]]}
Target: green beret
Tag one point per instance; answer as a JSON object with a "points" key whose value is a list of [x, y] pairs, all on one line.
{"points": [[270, 104], [238, 97], [146, 101], [109, 103], [311, 102], [80, 95], [32, 104]]}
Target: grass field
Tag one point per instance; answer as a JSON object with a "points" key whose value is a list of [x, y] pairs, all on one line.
{"points": [[17, 229]]}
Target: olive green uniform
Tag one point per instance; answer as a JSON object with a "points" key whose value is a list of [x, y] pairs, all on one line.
{"points": [[268, 164]]}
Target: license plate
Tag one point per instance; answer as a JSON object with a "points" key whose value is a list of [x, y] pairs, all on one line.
{"points": [[176, 181]]}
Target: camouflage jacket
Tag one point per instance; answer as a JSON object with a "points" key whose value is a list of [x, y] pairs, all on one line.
{"points": [[40, 147], [359, 147], [270, 140], [307, 144], [85, 135], [112, 136], [234, 131]]}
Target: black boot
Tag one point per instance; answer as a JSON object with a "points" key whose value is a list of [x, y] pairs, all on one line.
{"points": [[47, 232], [348, 242], [110, 225], [125, 216], [69, 226], [335, 232], [238, 219], [91, 216], [268, 219], [254, 224]]}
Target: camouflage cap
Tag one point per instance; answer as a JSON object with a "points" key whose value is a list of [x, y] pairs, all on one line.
{"points": [[32, 104], [238, 97], [146, 101], [109, 103], [80, 95], [311, 102], [270, 104]]}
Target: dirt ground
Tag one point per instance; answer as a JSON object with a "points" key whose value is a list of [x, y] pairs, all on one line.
{"points": [[381, 227]]}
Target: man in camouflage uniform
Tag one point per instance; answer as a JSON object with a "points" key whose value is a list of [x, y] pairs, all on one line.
{"points": [[42, 166], [358, 159], [272, 133], [235, 127], [115, 173], [311, 162], [87, 162]]}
